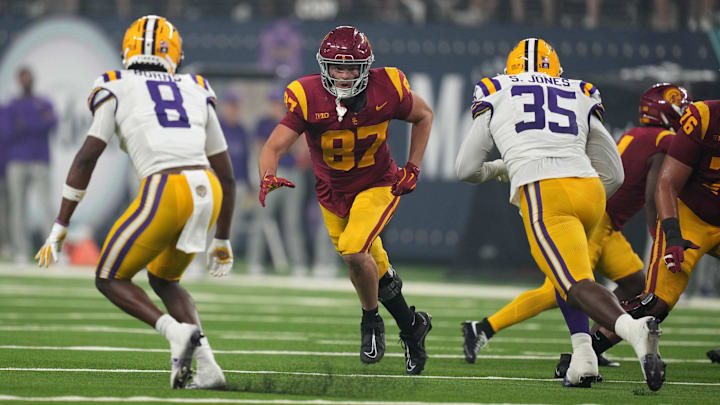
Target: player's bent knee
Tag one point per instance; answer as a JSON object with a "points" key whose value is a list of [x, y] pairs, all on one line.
{"points": [[390, 285], [631, 285], [646, 304]]}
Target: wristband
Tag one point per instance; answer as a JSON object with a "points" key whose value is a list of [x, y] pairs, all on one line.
{"points": [[671, 227], [72, 194]]}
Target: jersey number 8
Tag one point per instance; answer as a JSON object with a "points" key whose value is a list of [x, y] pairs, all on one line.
{"points": [[162, 106]]}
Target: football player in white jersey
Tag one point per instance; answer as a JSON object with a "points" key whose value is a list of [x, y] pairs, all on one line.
{"points": [[166, 123], [557, 156]]}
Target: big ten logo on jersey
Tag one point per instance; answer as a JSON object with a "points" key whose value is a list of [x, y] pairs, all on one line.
{"points": [[342, 147]]}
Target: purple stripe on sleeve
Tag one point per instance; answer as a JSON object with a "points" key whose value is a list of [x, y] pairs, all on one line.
{"points": [[106, 77], [480, 107], [496, 83], [117, 74], [484, 88], [131, 241], [547, 236], [530, 213], [122, 228]]}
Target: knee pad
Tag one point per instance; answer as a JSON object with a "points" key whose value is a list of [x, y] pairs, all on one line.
{"points": [[645, 304], [389, 286]]}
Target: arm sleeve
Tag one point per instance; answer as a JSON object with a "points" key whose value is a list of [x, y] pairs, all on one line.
{"points": [[103, 123], [214, 138], [604, 156], [470, 165]]}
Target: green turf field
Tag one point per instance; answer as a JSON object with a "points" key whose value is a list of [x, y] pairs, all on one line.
{"points": [[60, 340]]}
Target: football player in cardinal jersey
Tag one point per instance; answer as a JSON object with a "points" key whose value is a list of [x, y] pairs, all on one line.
{"points": [[642, 150], [345, 111], [166, 122], [554, 147], [687, 198]]}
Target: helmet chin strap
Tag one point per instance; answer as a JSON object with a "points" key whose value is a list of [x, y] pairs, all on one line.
{"points": [[341, 109]]}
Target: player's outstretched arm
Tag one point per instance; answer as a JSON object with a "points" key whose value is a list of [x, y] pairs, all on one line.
{"points": [[604, 156], [673, 176], [77, 181], [654, 162], [470, 164], [279, 142], [420, 117]]}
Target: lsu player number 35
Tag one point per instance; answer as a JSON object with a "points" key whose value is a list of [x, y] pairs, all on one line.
{"points": [[167, 124], [558, 156]]}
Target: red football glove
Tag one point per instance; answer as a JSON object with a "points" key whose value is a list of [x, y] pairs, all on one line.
{"points": [[406, 179], [675, 245], [270, 183]]}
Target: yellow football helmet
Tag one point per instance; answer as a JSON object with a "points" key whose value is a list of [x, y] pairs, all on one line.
{"points": [[153, 40], [533, 55]]}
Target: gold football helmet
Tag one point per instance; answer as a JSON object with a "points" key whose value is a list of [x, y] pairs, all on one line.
{"points": [[533, 55], [152, 40]]}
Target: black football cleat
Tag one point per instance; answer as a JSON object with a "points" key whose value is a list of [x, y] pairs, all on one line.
{"points": [[474, 341], [414, 342], [714, 355], [563, 365], [605, 362], [372, 346], [653, 365]]}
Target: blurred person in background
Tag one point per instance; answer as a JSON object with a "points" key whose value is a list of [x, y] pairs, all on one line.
{"points": [[31, 119], [289, 207], [5, 249], [167, 124], [345, 112], [239, 147]]}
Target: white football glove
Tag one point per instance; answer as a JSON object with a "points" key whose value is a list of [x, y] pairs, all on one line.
{"points": [[52, 246], [219, 258]]}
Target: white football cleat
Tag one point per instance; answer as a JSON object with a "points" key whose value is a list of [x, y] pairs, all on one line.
{"points": [[209, 376], [645, 342], [583, 369], [183, 342]]}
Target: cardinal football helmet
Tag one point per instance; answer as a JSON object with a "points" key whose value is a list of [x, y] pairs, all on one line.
{"points": [[663, 104], [533, 55], [152, 40], [345, 45]]}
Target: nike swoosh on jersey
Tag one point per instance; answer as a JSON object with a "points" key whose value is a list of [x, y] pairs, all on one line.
{"points": [[380, 107]]}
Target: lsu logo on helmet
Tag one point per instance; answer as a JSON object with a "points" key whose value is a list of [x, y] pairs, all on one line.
{"points": [[152, 40], [533, 55]]}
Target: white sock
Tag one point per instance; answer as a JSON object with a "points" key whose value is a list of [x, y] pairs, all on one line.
{"points": [[165, 324], [580, 341], [624, 326]]}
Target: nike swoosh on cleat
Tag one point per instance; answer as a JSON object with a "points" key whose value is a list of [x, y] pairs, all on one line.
{"points": [[373, 352]]}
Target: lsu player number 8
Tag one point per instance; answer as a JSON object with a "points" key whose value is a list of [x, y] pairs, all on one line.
{"points": [[166, 122]]}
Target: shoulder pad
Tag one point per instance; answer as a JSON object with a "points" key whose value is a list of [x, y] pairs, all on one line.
{"points": [[589, 90], [399, 81], [696, 119], [295, 98], [486, 86], [662, 135], [98, 97]]}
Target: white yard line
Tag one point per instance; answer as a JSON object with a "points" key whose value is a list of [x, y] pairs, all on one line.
{"points": [[76, 399], [295, 373], [318, 354]]}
